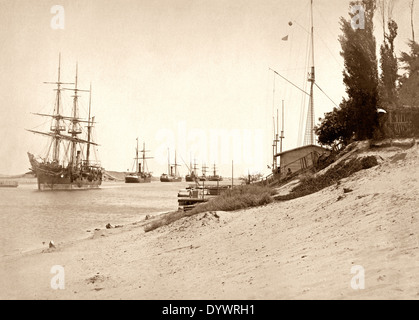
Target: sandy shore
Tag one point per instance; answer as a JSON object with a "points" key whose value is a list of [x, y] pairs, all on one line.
{"points": [[299, 249]]}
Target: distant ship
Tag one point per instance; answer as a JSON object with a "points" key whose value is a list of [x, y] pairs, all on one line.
{"points": [[203, 177], [8, 184], [68, 163], [141, 176], [215, 176], [172, 175], [192, 176]]}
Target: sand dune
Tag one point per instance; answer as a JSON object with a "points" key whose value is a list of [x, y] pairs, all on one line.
{"points": [[299, 249]]}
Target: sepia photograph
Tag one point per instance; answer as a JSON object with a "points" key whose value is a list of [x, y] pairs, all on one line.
{"points": [[219, 152]]}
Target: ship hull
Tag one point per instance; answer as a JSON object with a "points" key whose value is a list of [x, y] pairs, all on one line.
{"points": [[136, 179], [54, 177], [8, 184], [212, 178], [47, 182], [170, 179], [190, 178]]}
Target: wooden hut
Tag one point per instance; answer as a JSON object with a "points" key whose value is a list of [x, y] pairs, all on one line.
{"points": [[299, 160]]}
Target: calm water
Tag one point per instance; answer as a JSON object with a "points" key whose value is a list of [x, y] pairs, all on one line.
{"points": [[29, 217]]}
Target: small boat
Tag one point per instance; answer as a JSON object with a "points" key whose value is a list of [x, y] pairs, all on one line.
{"points": [[204, 174], [196, 194], [68, 163], [192, 196], [215, 176], [172, 175], [169, 178], [141, 176], [8, 184], [192, 176]]}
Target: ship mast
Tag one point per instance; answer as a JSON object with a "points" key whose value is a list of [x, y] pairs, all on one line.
{"points": [[273, 148], [176, 165], [169, 171], [309, 134], [75, 126], [195, 168], [276, 139], [56, 150], [204, 170], [137, 169], [281, 137], [89, 127], [57, 127], [274, 163], [144, 158]]}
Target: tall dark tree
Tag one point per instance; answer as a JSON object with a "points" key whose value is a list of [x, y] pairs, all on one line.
{"points": [[412, 5], [389, 67], [409, 82], [361, 72], [356, 116]]}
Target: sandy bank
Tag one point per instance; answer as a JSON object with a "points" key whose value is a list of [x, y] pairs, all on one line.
{"points": [[299, 249]]}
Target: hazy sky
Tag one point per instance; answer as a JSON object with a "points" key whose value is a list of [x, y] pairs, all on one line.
{"points": [[186, 74]]}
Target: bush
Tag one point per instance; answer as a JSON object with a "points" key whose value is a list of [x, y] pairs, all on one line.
{"points": [[311, 184], [240, 197]]}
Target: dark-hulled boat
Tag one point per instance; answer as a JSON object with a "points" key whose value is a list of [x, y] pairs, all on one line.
{"points": [[172, 175], [215, 176], [68, 163], [142, 175], [192, 175]]}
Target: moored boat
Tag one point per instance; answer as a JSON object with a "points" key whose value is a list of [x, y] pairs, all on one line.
{"points": [[8, 184], [203, 177], [68, 163], [142, 175], [215, 176], [172, 175], [192, 176]]}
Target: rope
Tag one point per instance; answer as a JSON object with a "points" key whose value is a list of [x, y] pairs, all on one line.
{"points": [[326, 94]]}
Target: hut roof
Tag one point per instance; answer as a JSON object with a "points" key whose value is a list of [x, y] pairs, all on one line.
{"points": [[303, 147]]}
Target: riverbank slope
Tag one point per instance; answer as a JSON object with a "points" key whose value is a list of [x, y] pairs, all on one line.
{"points": [[299, 249]]}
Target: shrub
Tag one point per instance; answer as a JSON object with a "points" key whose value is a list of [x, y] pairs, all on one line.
{"points": [[311, 184], [240, 197]]}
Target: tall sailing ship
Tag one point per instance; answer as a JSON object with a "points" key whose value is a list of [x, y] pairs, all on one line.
{"points": [[193, 173], [203, 177], [141, 175], [172, 174], [68, 163], [215, 176]]}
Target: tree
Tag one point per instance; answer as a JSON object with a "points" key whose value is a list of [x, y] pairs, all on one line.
{"points": [[389, 67], [334, 129], [412, 5], [361, 72], [409, 82], [356, 116]]}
